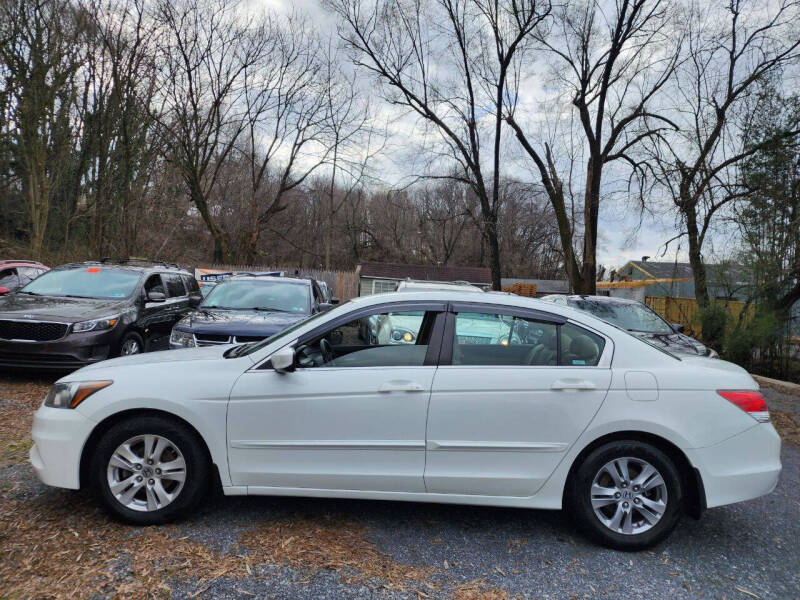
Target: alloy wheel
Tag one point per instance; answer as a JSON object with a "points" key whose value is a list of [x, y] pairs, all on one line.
{"points": [[146, 473], [130, 346], [629, 495]]}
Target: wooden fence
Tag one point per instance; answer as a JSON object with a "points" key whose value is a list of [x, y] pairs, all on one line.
{"points": [[342, 284], [685, 311]]}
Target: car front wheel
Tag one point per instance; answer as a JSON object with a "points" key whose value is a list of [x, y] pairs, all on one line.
{"points": [[131, 343], [150, 470], [626, 495]]}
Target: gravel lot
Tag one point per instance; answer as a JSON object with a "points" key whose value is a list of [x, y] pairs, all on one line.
{"points": [[58, 544]]}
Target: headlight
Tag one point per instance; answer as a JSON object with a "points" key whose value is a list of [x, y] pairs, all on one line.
{"points": [[95, 324], [402, 336], [70, 395], [184, 339]]}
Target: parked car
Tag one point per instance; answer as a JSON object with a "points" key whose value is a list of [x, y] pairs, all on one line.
{"points": [[640, 320], [621, 435], [82, 313], [15, 274], [411, 285], [396, 331], [248, 308]]}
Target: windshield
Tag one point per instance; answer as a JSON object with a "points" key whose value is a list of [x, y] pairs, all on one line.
{"points": [[250, 294], [631, 317], [84, 282]]}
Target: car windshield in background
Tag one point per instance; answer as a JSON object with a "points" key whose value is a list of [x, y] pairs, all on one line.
{"points": [[250, 294], [84, 282], [631, 317]]}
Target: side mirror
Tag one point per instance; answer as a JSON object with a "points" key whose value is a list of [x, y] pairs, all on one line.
{"points": [[283, 360], [323, 306], [335, 301], [4, 291], [677, 327], [156, 297]]}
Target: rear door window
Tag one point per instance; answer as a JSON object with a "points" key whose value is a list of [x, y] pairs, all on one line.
{"points": [[495, 339], [490, 339], [175, 287]]}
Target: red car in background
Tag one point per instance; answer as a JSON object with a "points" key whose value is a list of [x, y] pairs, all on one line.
{"points": [[16, 273]]}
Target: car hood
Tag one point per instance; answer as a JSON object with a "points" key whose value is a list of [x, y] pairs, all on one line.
{"points": [[234, 322], [676, 343], [57, 308], [163, 356]]}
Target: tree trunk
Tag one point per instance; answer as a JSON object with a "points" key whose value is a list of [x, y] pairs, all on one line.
{"points": [[695, 256], [591, 211], [222, 252], [494, 251]]}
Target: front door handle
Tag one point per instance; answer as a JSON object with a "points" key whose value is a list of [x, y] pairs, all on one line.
{"points": [[400, 385], [564, 385]]}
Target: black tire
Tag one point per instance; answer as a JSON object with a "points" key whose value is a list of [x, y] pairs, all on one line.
{"points": [[130, 337], [197, 469], [579, 495]]}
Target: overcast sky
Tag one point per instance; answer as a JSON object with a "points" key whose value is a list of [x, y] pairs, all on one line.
{"points": [[624, 234]]}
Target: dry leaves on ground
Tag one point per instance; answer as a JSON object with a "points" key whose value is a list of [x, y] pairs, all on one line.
{"points": [[478, 589], [788, 426], [324, 542], [18, 401], [61, 546]]}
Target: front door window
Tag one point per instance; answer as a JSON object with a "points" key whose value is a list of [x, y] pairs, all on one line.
{"points": [[390, 339]]}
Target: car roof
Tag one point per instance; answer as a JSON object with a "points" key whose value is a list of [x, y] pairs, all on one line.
{"points": [[511, 300], [128, 265], [20, 263], [602, 299], [292, 280], [411, 284]]}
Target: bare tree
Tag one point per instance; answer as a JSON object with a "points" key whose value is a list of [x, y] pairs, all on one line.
{"points": [[476, 46], [611, 59], [40, 56], [729, 51], [207, 52]]}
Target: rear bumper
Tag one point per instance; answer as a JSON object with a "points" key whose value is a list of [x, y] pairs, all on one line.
{"points": [[740, 468], [59, 435], [70, 352]]}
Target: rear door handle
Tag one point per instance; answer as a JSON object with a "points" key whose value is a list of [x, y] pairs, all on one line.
{"points": [[564, 385], [400, 385]]}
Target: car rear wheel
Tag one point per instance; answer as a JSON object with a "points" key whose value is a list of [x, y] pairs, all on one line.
{"points": [[626, 495], [131, 343], [150, 470]]}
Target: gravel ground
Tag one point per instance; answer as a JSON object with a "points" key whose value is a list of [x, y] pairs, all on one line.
{"points": [[312, 548]]}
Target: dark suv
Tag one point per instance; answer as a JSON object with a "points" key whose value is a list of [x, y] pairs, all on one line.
{"points": [[82, 313], [249, 308]]}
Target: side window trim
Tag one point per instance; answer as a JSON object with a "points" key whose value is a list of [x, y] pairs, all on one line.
{"points": [[512, 311]]}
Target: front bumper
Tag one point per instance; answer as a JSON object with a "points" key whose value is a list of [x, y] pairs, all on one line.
{"points": [[742, 467], [59, 436], [73, 351]]}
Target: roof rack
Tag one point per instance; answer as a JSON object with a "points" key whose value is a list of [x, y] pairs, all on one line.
{"points": [[137, 260]]}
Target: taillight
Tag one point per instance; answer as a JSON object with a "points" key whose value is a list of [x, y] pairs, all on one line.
{"points": [[751, 402]]}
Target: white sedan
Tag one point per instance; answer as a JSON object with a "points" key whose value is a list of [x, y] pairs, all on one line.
{"points": [[570, 412]]}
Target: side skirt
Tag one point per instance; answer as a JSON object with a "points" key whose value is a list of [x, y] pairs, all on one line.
{"points": [[510, 501]]}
